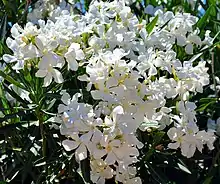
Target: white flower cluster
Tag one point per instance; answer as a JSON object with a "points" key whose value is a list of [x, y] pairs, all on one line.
{"points": [[214, 126], [131, 72], [48, 9]]}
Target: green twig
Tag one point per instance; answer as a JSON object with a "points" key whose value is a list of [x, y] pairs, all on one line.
{"points": [[44, 143]]}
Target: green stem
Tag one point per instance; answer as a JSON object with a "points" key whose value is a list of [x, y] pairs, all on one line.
{"points": [[43, 136], [40, 118]]}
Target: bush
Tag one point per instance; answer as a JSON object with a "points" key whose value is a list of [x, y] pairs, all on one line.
{"points": [[109, 92]]}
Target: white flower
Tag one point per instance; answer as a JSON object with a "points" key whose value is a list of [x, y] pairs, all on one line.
{"points": [[76, 116], [100, 171], [78, 143], [74, 53], [47, 69], [192, 39], [188, 142], [207, 138], [207, 40], [147, 62], [175, 135], [214, 126], [218, 126], [127, 175], [112, 149], [187, 111], [95, 147], [163, 117]]}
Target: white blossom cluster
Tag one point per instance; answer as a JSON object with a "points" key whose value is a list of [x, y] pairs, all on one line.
{"points": [[214, 126], [131, 73], [48, 9]]}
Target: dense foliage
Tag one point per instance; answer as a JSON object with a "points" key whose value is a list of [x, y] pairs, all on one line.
{"points": [[109, 91]]}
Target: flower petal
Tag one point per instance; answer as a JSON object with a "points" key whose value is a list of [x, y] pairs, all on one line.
{"points": [[174, 145], [41, 73], [47, 80], [57, 76], [81, 152], [70, 145], [189, 48]]}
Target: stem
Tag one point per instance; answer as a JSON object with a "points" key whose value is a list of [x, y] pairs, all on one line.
{"points": [[44, 143], [38, 98]]}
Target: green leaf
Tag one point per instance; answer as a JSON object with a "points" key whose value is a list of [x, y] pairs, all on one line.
{"points": [[11, 8], [4, 48], [11, 80], [216, 36], [213, 11], [149, 154], [16, 96], [152, 2], [151, 25], [52, 95], [207, 100], [158, 137], [204, 106], [1, 49], [51, 104], [205, 103], [208, 180], [9, 127], [15, 174], [216, 21], [154, 172], [41, 164], [195, 57], [183, 168], [87, 3], [4, 101], [213, 2], [3, 27], [13, 115], [203, 21]]}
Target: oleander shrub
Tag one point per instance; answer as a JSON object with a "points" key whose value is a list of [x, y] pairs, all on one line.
{"points": [[118, 91]]}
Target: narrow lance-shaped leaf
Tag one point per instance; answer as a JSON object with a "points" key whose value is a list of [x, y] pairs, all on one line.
{"points": [[4, 101], [208, 180], [15, 115], [11, 80], [3, 27], [203, 21], [151, 25], [16, 96], [184, 168]]}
